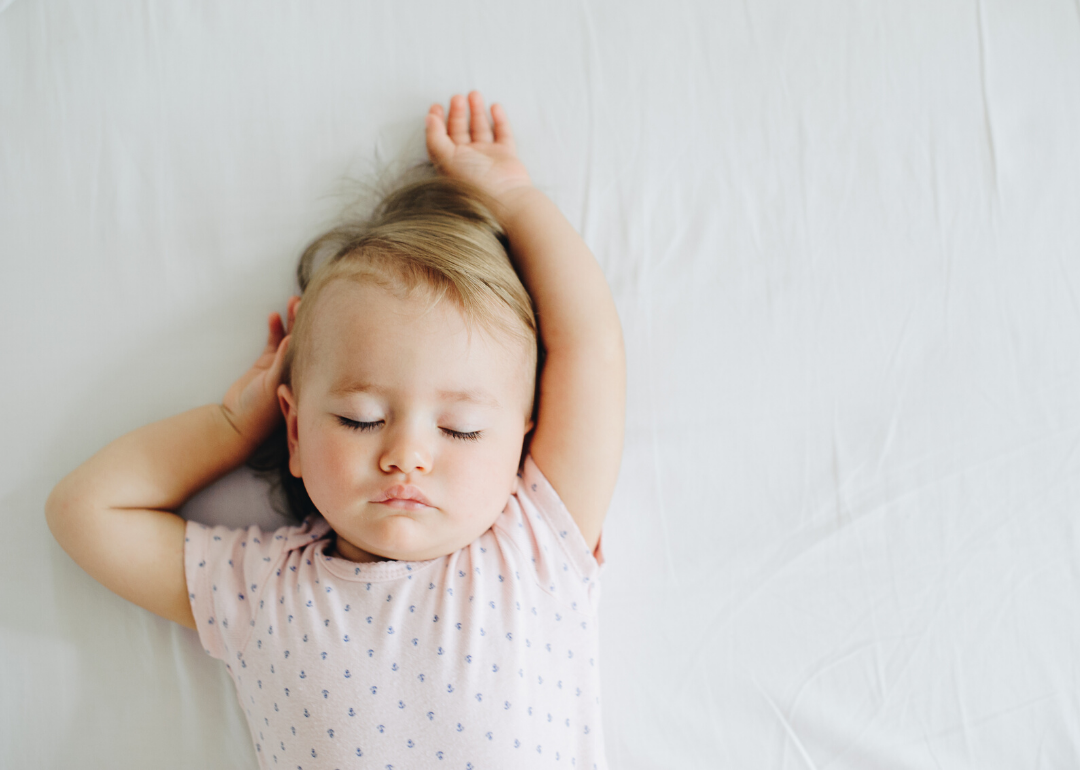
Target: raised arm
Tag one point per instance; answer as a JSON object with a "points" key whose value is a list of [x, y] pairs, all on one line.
{"points": [[577, 442], [114, 513]]}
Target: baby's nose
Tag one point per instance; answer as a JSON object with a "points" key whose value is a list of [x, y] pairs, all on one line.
{"points": [[406, 451]]}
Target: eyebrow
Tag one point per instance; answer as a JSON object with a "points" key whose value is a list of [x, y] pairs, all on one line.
{"points": [[474, 396]]}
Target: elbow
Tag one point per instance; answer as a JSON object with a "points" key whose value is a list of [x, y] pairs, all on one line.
{"points": [[54, 505], [59, 506]]}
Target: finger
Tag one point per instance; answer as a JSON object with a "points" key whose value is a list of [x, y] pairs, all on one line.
{"points": [[276, 332], [272, 378], [439, 146], [503, 134], [481, 130], [458, 123]]}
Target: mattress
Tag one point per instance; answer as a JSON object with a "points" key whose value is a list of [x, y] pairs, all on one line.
{"points": [[843, 242]]}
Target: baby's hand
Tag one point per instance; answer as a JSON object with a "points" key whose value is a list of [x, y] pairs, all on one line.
{"points": [[251, 404], [469, 150]]}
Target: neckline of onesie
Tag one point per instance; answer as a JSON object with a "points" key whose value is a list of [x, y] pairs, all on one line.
{"points": [[368, 571]]}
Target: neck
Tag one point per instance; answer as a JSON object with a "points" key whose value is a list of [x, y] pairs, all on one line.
{"points": [[343, 549]]}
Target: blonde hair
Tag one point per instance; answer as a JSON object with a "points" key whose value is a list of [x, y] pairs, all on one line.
{"points": [[439, 236]]}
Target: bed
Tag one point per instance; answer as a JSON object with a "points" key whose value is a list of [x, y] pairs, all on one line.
{"points": [[844, 244]]}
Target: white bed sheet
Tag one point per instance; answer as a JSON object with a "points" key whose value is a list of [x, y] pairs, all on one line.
{"points": [[844, 244]]}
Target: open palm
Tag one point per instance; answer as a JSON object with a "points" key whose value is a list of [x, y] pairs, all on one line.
{"points": [[474, 150], [251, 403]]}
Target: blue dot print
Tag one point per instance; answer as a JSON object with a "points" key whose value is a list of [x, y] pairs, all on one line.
{"points": [[467, 660]]}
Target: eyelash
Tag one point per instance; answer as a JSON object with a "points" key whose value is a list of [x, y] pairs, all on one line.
{"points": [[363, 427], [360, 426]]}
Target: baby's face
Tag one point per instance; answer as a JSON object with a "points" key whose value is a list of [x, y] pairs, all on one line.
{"points": [[398, 403]]}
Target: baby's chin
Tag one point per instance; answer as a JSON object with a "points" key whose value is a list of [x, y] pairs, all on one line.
{"points": [[402, 537], [397, 538]]}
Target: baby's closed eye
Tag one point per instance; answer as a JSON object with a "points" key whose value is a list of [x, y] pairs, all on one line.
{"points": [[472, 435], [358, 425]]}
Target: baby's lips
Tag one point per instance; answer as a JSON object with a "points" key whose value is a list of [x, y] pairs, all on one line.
{"points": [[402, 492]]}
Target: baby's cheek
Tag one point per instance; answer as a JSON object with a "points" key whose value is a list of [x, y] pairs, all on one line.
{"points": [[496, 483], [328, 469]]}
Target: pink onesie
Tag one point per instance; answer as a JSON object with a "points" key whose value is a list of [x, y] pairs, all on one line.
{"points": [[479, 660]]}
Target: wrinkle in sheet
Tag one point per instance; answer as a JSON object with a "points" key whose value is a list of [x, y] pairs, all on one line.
{"points": [[803, 753], [1039, 749], [947, 253], [838, 657], [778, 566], [750, 24], [892, 365], [843, 515], [966, 725], [658, 469], [644, 284], [908, 618], [980, 25], [1002, 608], [591, 60], [880, 676], [918, 628], [1066, 282]]}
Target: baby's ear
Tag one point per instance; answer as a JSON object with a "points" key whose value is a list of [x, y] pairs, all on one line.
{"points": [[293, 306], [288, 410]]}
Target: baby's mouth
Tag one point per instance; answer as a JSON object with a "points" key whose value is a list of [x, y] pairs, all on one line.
{"points": [[404, 505], [403, 497]]}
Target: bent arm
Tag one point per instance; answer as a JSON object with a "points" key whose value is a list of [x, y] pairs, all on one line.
{"points": [[114, 514], [577, 442], [578, 439]]}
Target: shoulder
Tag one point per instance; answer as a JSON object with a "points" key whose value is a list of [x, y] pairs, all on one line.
{"points": [[539, 525], [219, 539], [226, 570]]}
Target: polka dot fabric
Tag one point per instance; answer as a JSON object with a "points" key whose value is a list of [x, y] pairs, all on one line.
{"points": [[485, 658]]}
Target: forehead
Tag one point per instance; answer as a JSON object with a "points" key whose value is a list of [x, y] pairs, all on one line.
{"points": [[365, 337]]}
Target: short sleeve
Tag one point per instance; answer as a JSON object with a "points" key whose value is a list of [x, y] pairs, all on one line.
{"points": [[225, 571], [539, 523]]}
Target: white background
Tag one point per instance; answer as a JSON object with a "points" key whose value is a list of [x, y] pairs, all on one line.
{"points": [[845, 246]]}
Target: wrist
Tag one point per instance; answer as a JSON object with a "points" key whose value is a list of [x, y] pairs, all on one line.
{"points": [[245, 437], [517, 200]]}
